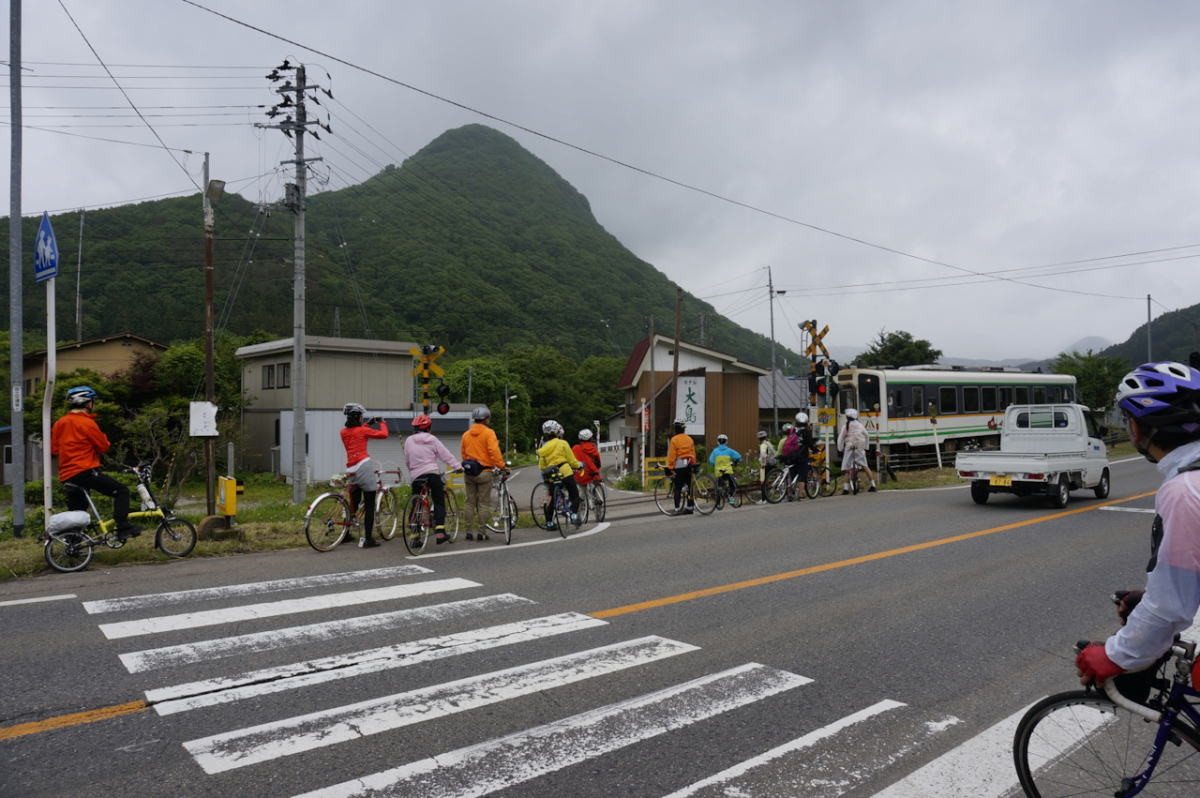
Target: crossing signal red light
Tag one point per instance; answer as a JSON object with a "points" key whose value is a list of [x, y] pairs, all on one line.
{"points": [[443, 408]]}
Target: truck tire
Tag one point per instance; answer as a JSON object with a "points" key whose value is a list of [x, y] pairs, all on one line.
{"points": [[1060, 494], [1102, 486], [979, 491]]}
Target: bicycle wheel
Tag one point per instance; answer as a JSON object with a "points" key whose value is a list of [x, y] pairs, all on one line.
{"points": [[812, 485], [326, 522], [705, 492], [562, 511], [854, 472], [539, 500], [68, 551], [828, 486], [775, 485], [387, 515], [417, 522], [1080, 743], [453, 516], [664, 496], [504, 517], [175, 537], [599, 501]]}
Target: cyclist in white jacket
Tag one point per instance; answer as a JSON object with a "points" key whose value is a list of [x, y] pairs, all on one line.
{"points": [[1161, 406], [853, 441]]}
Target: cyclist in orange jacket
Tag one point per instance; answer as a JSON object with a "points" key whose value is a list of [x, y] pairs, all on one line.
{"points": [[681, 456]]}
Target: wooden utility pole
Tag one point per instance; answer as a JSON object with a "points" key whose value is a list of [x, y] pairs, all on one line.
{"points": [[653, 388], [675, 364]]}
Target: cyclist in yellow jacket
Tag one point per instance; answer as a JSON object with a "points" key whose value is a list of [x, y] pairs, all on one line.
{"points": [[555, 459]]}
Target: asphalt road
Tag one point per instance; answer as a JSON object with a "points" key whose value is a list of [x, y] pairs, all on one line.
{"points": [[876, 644]]}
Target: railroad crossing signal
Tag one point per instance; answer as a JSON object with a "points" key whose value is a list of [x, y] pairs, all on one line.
{"points": [[817, 343], [424, 365]]}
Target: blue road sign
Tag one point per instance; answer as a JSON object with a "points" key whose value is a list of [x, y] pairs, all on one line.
{"points": [[45, 251]]}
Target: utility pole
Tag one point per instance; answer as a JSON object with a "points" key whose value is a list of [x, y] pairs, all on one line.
{"points": [[1149, 359], [295, 96], [78, 272], [210, 391], [653, 387], [675, 364], [16, 365]]}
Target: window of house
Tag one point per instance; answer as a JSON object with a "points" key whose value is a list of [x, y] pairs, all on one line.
{"points": [[970, 400], [948, 400], [987, 399], [283, 374], [268, 376]]}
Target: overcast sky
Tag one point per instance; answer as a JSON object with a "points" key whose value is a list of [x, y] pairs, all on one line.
{"points": [[930, 167]]}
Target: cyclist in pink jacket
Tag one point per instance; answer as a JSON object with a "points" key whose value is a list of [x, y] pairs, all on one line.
{"points": [[422, 453]]}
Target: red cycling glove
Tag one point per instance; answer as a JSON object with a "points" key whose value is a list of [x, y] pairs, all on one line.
{"points": [[1094, 666]]}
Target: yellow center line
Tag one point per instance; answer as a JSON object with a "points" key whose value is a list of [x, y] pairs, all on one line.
{"points": [[816, 569], [79, 718]]}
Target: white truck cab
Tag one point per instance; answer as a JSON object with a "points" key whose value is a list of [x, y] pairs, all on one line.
{"points": [[1050, 449]]}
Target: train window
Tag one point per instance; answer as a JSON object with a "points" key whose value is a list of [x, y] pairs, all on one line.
{"points": [[948, 400], [1039, 394], [970, 399], [987, 399], [1005, 398], [1021, 396], [1068, 393], [896, 407], [918, 400], [868, 392]]}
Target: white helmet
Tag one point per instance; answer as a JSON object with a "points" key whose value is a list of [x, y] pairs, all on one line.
{"points": [[550, 427], [802, 418], [851, 413], [585, 434], [354, 409], [722, 438]]}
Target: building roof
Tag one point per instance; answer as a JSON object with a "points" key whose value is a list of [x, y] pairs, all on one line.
{"points": [[638, 357], [328, 344], [789, 391], [93, 341]]}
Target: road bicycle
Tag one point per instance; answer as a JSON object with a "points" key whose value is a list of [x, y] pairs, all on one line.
{"points": [[784, 483], [595, 498], [71, 538], [550, 504], [504, 507], [328, 520], [1084, 742], [418, 518], [819, 473], [699, 492], [727, 491]]}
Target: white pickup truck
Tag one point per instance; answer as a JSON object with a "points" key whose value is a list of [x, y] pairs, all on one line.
{"points": [[1049, 449]]}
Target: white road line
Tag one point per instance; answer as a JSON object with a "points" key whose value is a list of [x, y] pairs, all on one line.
{"points": [[222, 752], [812, 738], [250, 589], [1129, 509], [222, 690], [13, 602], [272, 609], [219, 648], [507, 761], [598, 528]]}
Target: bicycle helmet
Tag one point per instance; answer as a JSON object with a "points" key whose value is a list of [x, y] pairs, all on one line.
{"points": [[80, 395], [354, 409], [679, 424], [550, 428], [722, 438], [1163, 394], [762, 433], [851, 413], [481, 414], [802, 418], [585, 434], [422, 422], [786, 428]]}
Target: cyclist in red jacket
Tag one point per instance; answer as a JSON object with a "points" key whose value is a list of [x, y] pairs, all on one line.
{"points": [[360, 468], [586, 452]]}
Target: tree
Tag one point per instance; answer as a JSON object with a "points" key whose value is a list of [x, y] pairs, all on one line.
{"points": [[898, 349], [1096, 376]]}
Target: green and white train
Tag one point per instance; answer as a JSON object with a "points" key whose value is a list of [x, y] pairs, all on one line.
{"points": [[907, 407]]}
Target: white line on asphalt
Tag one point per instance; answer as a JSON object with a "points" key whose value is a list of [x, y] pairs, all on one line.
{"points": [[222, 752], [219, 648], [250, 589], [598, 528], [1129, 509], [12, 602], [222, 690], [812, 738], [507, 761], [272, 609]]}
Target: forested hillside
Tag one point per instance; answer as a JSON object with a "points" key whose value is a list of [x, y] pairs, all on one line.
{"points": [[1173, 336], [472, 243]]}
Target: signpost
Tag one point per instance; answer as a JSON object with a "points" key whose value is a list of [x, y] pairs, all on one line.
{"points": [[45, 269]]}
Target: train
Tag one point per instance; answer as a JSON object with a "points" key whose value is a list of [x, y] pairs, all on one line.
{"points": [[958, 408]]}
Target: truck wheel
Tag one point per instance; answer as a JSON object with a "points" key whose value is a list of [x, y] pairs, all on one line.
{"points": [[1061, 493], [979, 491], [1102, 486]]}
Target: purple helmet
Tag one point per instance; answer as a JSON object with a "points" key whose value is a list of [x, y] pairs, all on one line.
{"points": [[1162, 394]]}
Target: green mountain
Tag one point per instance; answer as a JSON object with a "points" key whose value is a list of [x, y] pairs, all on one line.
{"points": [[472, 243], [1173, 336]]}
